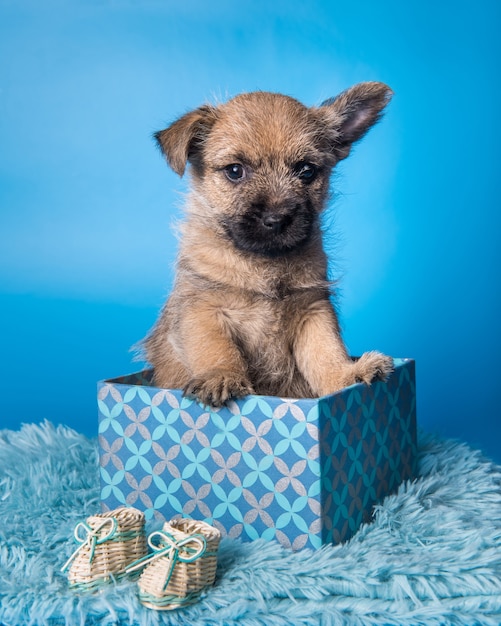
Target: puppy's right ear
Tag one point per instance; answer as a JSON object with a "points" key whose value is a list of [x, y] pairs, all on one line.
{"points": [[183, 140], [349, 116]]}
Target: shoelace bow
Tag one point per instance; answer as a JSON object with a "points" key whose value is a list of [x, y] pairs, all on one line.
{"points": [[185, 550], [91, 538]]}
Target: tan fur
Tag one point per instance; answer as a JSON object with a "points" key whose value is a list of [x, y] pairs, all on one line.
{"points": [[250, 311]]}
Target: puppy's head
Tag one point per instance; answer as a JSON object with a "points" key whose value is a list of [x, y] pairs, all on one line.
{"points": [[262, 161]]}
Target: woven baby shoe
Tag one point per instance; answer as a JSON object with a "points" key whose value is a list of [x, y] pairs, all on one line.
{"points": [[182, 564], [109, 542]]}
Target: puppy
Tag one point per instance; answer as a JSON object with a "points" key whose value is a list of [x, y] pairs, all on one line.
{"points": [[250, 311]]}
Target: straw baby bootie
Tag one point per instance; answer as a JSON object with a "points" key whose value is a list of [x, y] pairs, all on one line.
{"points": [[182, 565], [109, 542]]}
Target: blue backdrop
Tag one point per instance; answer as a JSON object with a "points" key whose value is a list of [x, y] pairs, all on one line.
{"points": [[87, 204]]}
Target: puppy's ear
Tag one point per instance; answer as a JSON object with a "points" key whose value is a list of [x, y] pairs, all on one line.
{"points": [[183, 140], [350, 115]]}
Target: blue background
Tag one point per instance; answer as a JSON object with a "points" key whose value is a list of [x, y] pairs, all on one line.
{"points": [[87, 204]]}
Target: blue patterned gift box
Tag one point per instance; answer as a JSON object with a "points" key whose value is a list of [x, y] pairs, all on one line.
{"points": [[305, 472]]}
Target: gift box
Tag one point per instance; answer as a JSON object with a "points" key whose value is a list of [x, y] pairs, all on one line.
{"points": [[303, 471]]}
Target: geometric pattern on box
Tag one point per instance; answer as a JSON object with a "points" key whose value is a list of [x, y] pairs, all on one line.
{"points": [[305, 472]]}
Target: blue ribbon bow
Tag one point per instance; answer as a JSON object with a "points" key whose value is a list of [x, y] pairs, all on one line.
{"points": [[185, 550], [91, 537]]}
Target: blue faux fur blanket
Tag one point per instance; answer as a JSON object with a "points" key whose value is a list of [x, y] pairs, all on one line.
{"points": [[431, 556]]}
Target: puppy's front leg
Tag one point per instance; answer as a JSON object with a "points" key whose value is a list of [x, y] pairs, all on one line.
{"points": [[217, 368], [322, 358]]}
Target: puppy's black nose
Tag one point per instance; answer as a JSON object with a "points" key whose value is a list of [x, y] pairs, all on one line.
{"points": [[273, 221]]}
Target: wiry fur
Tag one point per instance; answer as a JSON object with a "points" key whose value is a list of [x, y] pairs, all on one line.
{"points": [[250, 310]]}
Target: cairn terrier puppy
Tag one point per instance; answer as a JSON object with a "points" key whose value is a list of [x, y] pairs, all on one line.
{"points": [[250, 311]]}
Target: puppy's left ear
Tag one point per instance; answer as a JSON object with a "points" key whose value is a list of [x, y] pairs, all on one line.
{"points": [[350, 115], [183, 141]]}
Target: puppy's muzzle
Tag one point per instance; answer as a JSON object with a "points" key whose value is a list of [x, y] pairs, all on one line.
{"points": [[271, 230]]}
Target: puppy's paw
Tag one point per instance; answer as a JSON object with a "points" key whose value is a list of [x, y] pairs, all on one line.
{"points": [[216, 387], [372, 366]]}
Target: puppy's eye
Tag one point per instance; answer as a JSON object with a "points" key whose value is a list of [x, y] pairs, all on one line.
{"points": [[234, 172], [307, 172]]}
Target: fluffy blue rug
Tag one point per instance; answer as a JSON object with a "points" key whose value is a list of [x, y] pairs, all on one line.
{"points": [[431, 556]]}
